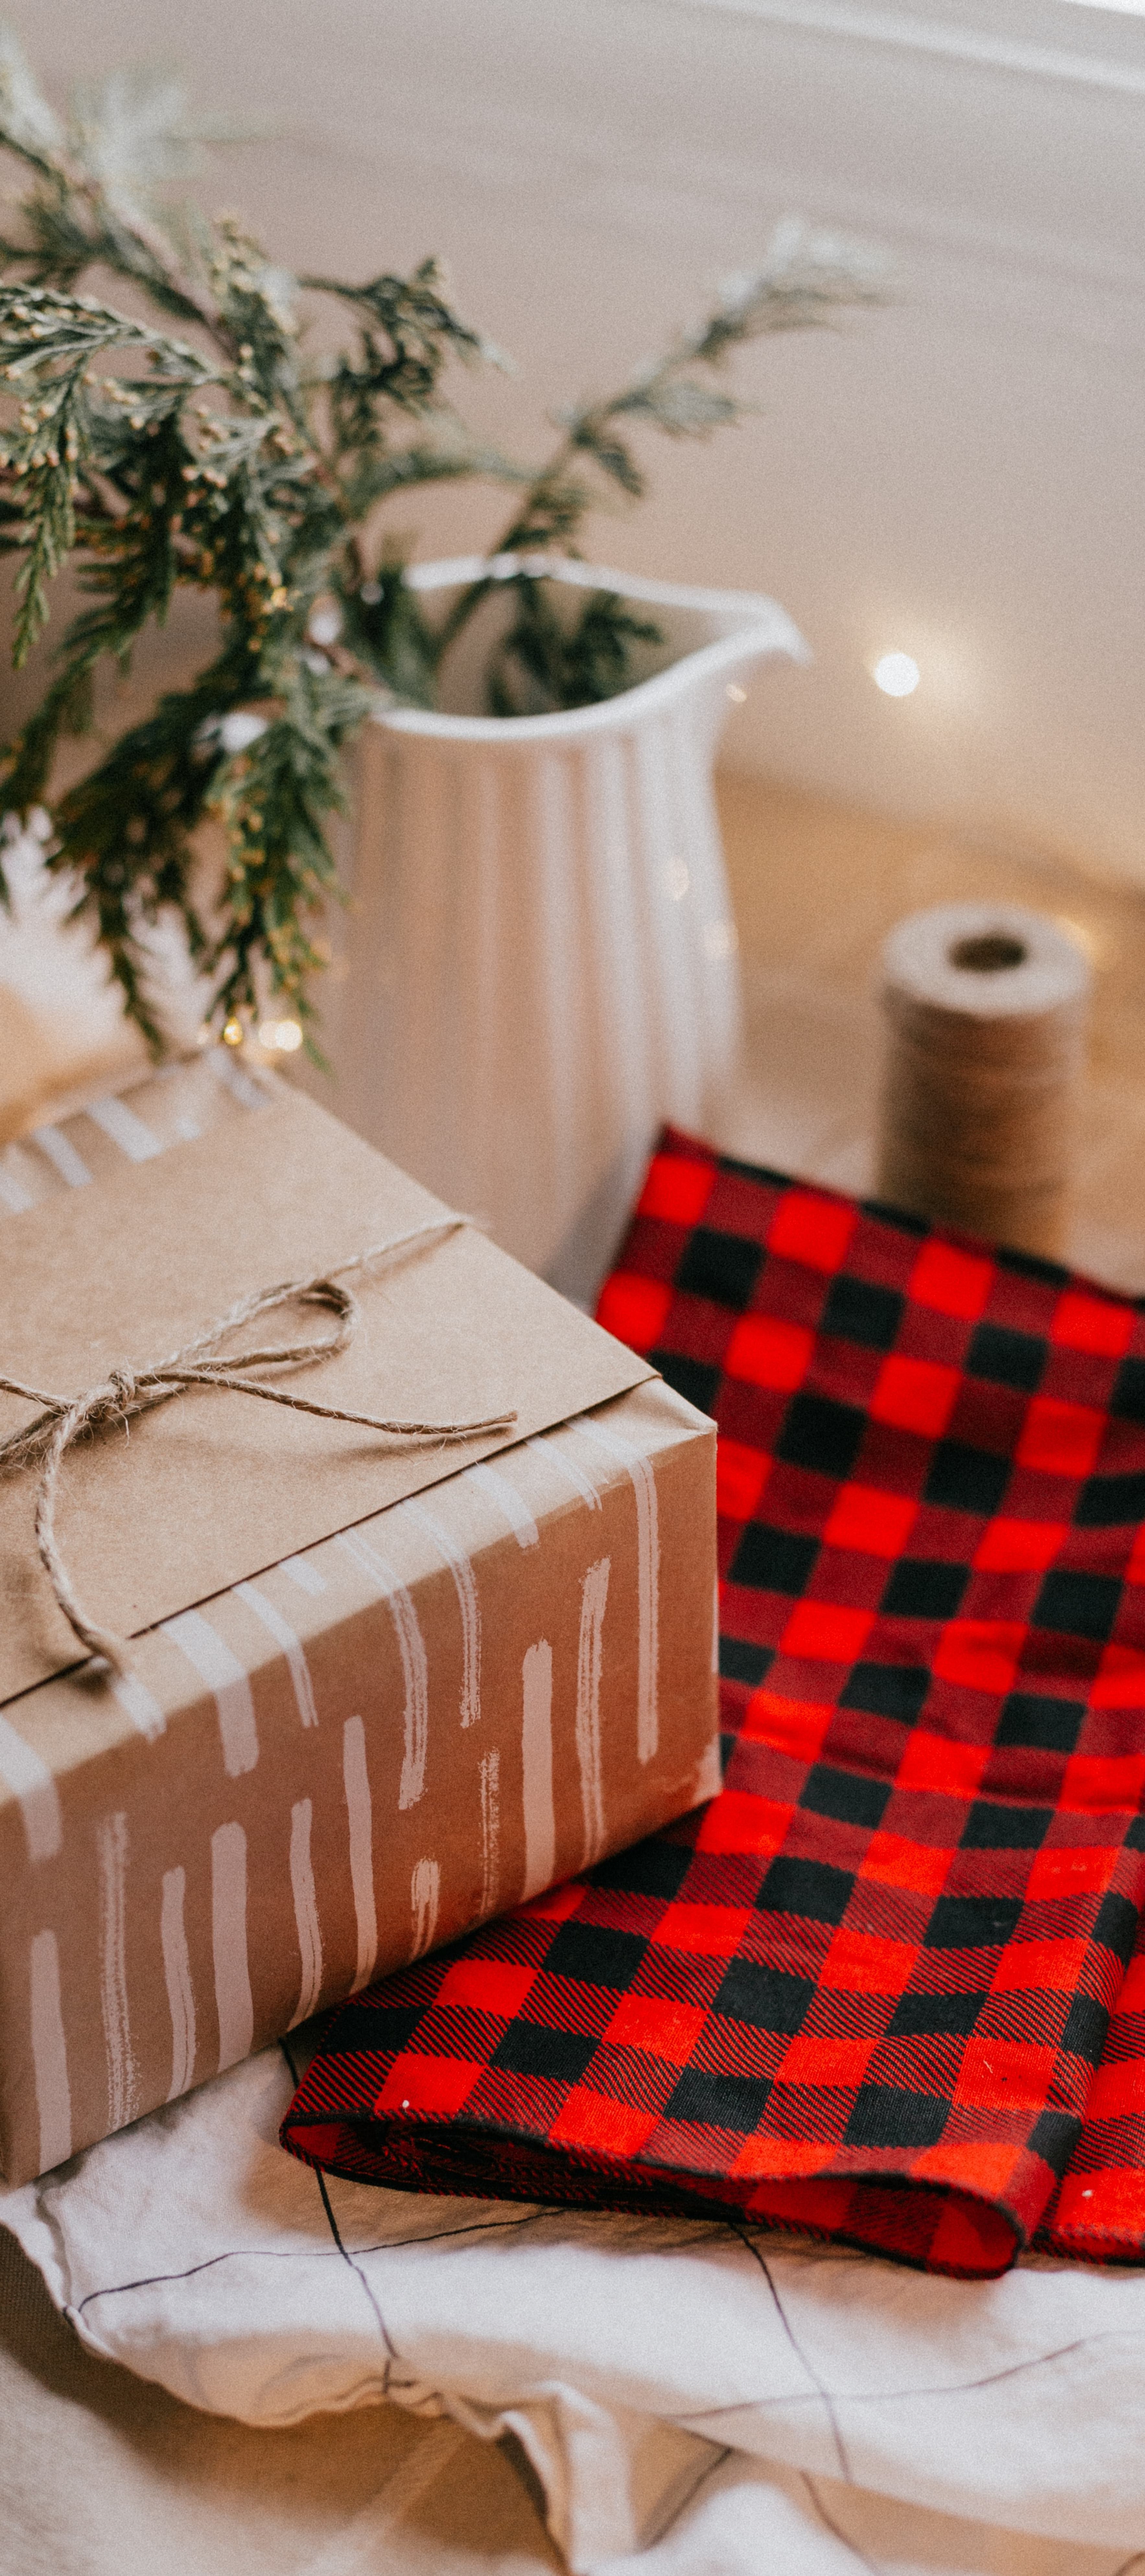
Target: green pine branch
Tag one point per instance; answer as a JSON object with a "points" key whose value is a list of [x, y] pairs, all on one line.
{"points": [[223, 461]]}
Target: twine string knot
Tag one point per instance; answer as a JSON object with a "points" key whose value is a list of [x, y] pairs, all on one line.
{"points": [[127, 1392]]}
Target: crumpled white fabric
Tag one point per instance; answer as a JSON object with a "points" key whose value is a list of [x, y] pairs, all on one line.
{"points": [[690, 2398]]}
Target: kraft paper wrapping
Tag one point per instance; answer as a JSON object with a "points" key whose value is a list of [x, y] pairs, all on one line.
{"points": [[349, 1732]]}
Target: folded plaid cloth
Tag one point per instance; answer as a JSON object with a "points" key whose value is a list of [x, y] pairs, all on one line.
{"points": [[868, 1990]]}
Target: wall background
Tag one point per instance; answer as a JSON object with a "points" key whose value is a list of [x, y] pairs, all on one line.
{"points": [[959, 476]]}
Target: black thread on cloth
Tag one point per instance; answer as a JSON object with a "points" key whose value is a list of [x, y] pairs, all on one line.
{"points": [[285, 2254], [155, 2280], [653, 2538], [818, 2384], [392, 2354], [940, 2388]]}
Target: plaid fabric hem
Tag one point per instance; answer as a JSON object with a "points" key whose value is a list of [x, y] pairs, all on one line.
{"points": [[867, 1989], [1097, 2214]]}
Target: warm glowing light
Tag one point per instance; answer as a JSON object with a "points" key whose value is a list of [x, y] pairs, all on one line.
{"points": [[738, 696], [232, 1033], [676, 879], [897, 675], [283, 1036]]}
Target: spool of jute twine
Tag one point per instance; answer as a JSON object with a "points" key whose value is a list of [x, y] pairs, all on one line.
{"points": [[985, 1008]]}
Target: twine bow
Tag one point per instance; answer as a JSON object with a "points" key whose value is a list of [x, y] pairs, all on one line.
{"points": [[126, 1392]]}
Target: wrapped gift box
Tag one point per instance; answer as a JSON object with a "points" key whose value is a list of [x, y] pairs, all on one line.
{"points": [[380, 1688]]}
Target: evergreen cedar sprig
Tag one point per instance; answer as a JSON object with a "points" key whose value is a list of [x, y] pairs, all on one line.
{"points": [[219, 462]]}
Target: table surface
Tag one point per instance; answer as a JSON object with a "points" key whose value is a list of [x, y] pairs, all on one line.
{"points": [[816, 888]]}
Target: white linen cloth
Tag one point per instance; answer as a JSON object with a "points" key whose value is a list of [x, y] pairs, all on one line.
{"points": [[693, 2401]]}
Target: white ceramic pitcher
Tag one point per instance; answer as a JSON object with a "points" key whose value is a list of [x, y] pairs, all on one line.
{"points": [[539, 963]]}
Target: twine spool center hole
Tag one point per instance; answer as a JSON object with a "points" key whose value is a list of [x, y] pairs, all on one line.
{"points": [[990, 952]]}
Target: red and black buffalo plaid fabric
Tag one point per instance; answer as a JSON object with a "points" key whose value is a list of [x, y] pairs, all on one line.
{"points": [[868, 1990]]}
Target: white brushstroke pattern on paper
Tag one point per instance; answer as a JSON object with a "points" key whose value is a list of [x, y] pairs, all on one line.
{"points": [[304, 1575], [229, 1944], [137, 1703], [647, 1579], [465, 1586], [61, 1153], [49, 2052], [425, 1894], [235, 1081], [121, 2068], [415, 1667], [180, 1990], [292, 1647], [509, 1503], [594, 1594], [30, 1780], [566, 1467], [306, 1919], [137, 1141], [13, 1194], [490, 1830], [211, 1657], [360, 1812], [537, 1768]]}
